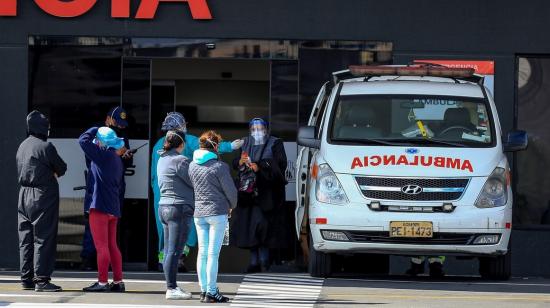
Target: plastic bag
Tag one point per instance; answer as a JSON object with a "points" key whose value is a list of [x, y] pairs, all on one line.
{"points": [[226, 235]]}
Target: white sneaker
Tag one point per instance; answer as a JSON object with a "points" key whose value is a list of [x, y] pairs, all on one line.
{"points": [[177, 293]]}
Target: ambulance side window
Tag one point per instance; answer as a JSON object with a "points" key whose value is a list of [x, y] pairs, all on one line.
{"points": [[321, 116]]}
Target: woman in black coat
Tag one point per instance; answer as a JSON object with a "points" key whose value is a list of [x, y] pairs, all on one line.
{"points": [[258, 221]]}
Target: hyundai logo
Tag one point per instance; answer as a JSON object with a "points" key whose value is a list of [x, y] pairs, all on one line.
{"points": [[411, 151], [411, 189]]}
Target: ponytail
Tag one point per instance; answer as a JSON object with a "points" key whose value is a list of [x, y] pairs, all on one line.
{"points": [[173, 140]]}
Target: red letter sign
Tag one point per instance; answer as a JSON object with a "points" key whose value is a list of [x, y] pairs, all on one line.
{"points": [[65, 9], [199, 8], [8, 8], [120, 8]]}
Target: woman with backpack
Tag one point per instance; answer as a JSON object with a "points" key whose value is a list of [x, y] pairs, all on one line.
{"points": [[258, 222]]}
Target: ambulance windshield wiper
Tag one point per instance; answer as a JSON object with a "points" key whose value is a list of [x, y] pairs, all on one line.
{"points": [[366, 141], [429, 141]]}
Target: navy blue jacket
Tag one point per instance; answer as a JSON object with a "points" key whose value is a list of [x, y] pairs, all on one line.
{"points": [[106, 173], [88, 197]]}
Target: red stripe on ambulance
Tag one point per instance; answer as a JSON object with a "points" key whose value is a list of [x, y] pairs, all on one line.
{"points": [[403, 160]]}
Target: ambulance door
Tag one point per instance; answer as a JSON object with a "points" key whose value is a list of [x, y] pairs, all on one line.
{"points": [[304, 158]]}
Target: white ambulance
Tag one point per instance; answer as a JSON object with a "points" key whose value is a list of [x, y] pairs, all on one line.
{"points": [[405, 160]]}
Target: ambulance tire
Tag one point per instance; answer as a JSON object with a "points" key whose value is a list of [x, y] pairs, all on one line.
{"points": [[320, 263], [499, 268]]}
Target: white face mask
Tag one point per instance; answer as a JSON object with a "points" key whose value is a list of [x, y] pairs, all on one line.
{"points": [[259, 135]]}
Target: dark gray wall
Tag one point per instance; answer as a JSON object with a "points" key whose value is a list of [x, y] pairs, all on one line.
{"points": [[418, 28]]}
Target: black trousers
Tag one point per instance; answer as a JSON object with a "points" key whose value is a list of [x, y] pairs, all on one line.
{"points": [[38, 214]]}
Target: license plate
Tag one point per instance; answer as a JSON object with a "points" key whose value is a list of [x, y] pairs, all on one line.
{"points": [[411, 229]]}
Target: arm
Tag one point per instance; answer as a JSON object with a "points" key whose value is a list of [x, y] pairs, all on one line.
{"points": [[225, 147], [183, 172], [92, 151], [228, 186], [279, 155], [57, 164], [127, 161]]}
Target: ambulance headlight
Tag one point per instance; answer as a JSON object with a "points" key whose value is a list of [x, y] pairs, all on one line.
{"points": [[495, 190], [328, 189]]}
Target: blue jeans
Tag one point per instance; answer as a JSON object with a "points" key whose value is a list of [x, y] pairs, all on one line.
{"points": [[175, 222], [210, 233]]}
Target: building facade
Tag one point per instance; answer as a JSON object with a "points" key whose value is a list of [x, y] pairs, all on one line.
{"points": [[222, 62]]}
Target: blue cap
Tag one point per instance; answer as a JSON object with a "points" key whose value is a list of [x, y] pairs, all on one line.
{"points": [[108, 138], [119, 114], [174, 121]]}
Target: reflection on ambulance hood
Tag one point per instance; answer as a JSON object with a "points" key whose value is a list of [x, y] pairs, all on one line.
{"points": [[407, 161]]}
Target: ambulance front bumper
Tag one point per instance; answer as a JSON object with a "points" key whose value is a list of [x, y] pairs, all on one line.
{"points": [[356, 229]]}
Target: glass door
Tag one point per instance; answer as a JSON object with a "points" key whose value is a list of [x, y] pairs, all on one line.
{"points": [[134, 224]]}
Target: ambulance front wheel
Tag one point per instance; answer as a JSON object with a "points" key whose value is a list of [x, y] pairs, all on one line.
{"points": [[320, 263], [496, 268]]}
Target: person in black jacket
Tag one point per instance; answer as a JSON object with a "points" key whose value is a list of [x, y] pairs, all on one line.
{"points": [[258, 221], [38, 167]]}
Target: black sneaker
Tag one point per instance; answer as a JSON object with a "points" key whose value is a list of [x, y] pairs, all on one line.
{"points": [[46, 287], [436, 270], [415, 269], [215, 298], [96, 287], [202, 297], [117, 287], [27, 285]]}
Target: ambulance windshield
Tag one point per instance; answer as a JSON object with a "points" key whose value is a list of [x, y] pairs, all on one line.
{"points": [[397, 120]]}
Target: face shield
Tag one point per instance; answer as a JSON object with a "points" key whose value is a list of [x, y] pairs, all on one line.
{"points": [[258, 131]]}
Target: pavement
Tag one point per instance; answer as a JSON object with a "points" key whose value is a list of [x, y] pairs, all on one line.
{"points": [[284, 290]]}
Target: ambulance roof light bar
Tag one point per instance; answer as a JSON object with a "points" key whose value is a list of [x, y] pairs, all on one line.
{"points": [[423, 69]]}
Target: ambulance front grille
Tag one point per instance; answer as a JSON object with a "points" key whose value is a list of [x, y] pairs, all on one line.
{"points": [[384, 237], [433, 189]]}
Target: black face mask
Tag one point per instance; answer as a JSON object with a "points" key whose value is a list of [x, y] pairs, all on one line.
{"points": [[117, 129]]}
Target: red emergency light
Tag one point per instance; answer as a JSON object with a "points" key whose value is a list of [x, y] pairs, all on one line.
{"points": [[411, 70]]}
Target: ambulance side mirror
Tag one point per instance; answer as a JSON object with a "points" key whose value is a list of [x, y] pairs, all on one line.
{"points": [[516, 141], [306, 137]]}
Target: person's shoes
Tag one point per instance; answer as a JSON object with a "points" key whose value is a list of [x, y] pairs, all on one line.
{"points": [[203, 297], [253, 269], [27, 285], [216, 298], [46, 287], [415, 269], [436, 270], [96, 287], [117, 287], [177, 293]]}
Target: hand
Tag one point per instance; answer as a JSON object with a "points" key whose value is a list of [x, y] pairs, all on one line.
{"points": [[128, 154], [55, 174], [253, 166], [230, 211], [243, 160], [237, 144]]}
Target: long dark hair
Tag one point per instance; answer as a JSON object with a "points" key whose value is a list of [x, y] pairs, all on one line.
{"points": [[173, 140]]}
